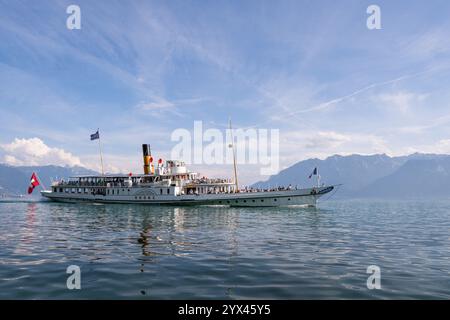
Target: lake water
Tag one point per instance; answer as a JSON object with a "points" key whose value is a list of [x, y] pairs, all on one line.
{"points": [[143, 252]]}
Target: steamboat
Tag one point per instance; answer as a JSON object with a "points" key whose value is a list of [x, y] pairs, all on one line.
{"points": [[171, 183]]}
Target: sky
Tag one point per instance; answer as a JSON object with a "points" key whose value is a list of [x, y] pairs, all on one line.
{"points": [[139, 70]]}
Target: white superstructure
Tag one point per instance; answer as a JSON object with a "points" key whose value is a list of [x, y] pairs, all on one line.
{"points": [[172, 183]]}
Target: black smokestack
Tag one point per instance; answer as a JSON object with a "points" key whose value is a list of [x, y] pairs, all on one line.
{"points": [[146, 152]]}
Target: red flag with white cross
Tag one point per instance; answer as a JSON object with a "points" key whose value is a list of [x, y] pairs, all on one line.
{"points": [[34, 182]]}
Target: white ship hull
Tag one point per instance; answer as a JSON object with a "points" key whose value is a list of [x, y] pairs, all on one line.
{"points": [[142, 195]]}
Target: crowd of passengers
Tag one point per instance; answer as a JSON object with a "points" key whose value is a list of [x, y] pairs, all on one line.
{"points": [[211, 181], [248, 189], [281, 188], [121, 183], [112, 183]]}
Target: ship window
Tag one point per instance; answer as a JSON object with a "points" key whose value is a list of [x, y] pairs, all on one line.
{"points": [[135, 197], [236, 201], [220, 201], [253, 200], [160, 191], [112, 191], [262, 200], [168, 191], [274, 199], [228, 201], [245, 200], [60, 189], [289, 199]]}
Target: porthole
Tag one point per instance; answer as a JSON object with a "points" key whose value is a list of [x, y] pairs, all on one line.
{"points": [[289, 199], [262, 200], [274, 199], [253, 200], [245, 200]]}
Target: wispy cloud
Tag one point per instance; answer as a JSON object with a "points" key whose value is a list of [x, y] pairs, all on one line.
{"points": [[402, 101], [138, 71]]}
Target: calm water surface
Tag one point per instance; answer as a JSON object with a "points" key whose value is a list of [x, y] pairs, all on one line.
{"points": [[142, 252]]}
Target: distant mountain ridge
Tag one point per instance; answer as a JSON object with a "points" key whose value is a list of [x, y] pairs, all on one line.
{"points": [[414, 176], [14, 180], [417, 178], [381, 176]]}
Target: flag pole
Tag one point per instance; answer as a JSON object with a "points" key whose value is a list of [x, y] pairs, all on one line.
{"points": [[100, 148], [318, 178], [234, 158]]}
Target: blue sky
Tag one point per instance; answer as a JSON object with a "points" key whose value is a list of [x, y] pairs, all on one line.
{"points": [[140, 69]]}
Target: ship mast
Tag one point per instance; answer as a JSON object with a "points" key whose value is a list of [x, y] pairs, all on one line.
{"points": [[234, 157], [101, 154]]}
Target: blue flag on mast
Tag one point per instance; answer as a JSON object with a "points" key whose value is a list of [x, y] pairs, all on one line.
{"points": [[95, 136], [314, 173]]}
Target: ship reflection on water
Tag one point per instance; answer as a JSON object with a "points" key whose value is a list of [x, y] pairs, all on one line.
{"points": [[175, 236], [156, 242], [136, 251], [156, 231]]}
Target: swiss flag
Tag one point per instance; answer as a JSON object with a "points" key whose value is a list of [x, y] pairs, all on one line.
{"points": [[34, 182]]}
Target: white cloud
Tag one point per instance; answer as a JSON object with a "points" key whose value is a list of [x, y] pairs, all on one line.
{"points": [[160, 107], [439, 147], [114, 163], [296, 146], [326, 140], [34, 152], [155, 105], [428, 44], [402, 101]]}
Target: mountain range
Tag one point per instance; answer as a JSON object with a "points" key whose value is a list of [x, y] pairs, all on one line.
{"points": [[376, 176], [362, 176], [14, 180]]}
